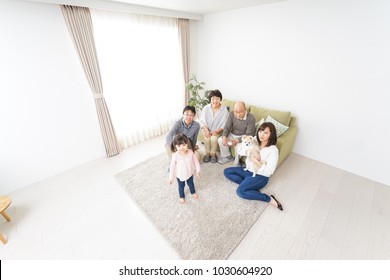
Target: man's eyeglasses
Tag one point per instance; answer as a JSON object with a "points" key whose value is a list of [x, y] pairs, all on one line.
{"points": [[189, 115]]}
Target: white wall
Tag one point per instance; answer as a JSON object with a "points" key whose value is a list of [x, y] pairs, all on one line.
{"points": [[326, 61], [48, 121]]}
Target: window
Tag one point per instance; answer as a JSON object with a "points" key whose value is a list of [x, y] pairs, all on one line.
{"points": [[141, 68]]}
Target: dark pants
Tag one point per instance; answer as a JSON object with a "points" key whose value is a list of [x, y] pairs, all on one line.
{"points": [[182, 184], [248, 187]]}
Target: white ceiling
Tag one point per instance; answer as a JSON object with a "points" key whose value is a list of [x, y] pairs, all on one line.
{"points": [[191, 9], [197, 6]]}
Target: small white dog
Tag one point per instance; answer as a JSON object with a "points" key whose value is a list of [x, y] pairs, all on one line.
{"points": [[241, 148], [248, 147], [250, 165]]}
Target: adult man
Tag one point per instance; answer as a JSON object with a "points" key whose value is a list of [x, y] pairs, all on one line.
{"points": [[187, 126], [240, 122]]}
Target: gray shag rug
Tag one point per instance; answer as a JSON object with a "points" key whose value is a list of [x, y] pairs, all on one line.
{"points": [[208, 228]]}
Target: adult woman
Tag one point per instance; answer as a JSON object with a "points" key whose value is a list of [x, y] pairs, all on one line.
{"points": [[212, 122], [249, 187]]}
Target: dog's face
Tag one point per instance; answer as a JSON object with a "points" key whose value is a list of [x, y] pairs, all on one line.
{"points": [[247, 140]]}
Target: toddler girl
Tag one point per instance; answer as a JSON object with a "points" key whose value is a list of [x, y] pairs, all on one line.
{"points": [[183, 165]]}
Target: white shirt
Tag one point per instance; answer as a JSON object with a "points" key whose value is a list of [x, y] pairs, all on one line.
{"points": [[270, 155], [214, 120]]}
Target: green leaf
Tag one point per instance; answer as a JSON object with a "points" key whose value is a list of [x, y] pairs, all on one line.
{"points": [[194, 87]]}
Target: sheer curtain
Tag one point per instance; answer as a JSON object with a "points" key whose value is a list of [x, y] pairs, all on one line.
{"points": [[184, 37], [141, 69]]}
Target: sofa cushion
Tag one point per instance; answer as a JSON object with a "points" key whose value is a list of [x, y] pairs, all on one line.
{"points": [[260, 122], [281, 116], [280, 128]]}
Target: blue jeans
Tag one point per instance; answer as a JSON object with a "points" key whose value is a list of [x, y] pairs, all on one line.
{"points": [[182, 184], [248, 186]]}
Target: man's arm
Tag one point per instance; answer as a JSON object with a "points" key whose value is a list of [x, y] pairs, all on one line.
{"points": [[195, 139], [172, 133], [228, 126]]}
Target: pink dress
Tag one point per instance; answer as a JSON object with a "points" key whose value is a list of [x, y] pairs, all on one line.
{"points": [[183, 166]]}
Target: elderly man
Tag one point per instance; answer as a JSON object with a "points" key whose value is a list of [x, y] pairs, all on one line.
{"points": [[240, 122]]}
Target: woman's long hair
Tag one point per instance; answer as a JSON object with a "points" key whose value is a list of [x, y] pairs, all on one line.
{"points": [[272, 138]]}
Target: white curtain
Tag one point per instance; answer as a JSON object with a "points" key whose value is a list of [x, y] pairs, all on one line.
{"points": [[141, 69]]}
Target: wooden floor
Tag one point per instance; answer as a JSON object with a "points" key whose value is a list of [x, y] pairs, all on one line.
{"points": [[84, 214], [328, 214]]}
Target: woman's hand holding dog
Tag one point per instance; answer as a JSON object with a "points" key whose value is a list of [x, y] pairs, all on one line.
{"points": [[255, 158]]}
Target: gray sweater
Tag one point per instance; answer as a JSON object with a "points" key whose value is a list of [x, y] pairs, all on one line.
{"points": [[180, 127], [240, 127]]}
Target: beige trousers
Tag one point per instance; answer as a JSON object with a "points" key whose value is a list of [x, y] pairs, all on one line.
{"points": [[211, 144]]}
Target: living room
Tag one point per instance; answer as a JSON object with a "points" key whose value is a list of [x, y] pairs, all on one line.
{"points": [[325, 61]]}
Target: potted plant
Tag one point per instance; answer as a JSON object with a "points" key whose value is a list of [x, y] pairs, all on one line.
{"points": [[197, 98]]}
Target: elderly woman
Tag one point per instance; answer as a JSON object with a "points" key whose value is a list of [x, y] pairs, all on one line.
{"points": [[212, 122]]}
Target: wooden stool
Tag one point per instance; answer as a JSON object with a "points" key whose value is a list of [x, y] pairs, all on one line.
{"points": [[5, 201]]}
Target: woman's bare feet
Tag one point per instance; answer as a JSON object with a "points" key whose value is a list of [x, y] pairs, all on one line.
{"points": [[195, 195], [273, 202], [181, 200]]}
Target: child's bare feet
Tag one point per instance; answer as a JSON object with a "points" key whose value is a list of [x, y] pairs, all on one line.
{"points": [[195, 195], [181, 200]]}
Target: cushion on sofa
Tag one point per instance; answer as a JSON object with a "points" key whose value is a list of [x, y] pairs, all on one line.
{"points": [[281, 116], [257, 124], [280, 128]]}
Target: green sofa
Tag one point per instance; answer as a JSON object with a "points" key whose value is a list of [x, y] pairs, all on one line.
{"points": [[285, 141]]}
